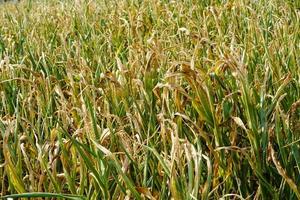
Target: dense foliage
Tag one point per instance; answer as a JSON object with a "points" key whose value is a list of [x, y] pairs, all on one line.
{"points": [[150, 99]]}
